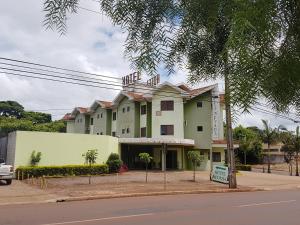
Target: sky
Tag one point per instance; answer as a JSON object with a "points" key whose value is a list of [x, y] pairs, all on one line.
{"points": [[92, 44]]}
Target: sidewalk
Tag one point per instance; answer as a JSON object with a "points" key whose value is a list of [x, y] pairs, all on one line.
{"points": [[132, 184], [21, 193]]}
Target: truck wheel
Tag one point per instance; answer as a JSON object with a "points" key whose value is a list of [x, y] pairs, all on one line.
{"points": [[8, 182]]}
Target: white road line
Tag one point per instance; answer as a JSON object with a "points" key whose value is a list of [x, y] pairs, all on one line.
{"points": [[99, 219], [265, 203]]}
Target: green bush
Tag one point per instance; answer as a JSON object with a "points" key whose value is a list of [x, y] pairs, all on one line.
{"points": [[243, 167], [114, 162], [68, 170]]}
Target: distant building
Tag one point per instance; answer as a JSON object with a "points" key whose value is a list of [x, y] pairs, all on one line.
{"points": [[143, 118], [276, 155]]}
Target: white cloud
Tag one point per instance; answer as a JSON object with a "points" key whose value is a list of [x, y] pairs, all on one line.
{"points": [[92, 44]]}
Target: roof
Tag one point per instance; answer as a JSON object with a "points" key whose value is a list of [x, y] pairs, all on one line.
{"points": [[135, 96], [102, 104], [198, 91], [67, 117], [81, 110]]}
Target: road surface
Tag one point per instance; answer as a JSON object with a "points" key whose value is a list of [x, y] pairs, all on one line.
{"points": [[254, 208]]}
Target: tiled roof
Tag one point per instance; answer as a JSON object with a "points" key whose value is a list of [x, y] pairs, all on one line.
{"points": [[105, 104], [135, 96], [82, 109], [199, 91], [67, 117]]}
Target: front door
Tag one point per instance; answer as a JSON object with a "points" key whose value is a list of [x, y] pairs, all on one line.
{"points": [[171, 159]]}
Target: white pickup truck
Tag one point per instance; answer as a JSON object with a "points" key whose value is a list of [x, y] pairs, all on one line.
{"points": [[6, 172]]}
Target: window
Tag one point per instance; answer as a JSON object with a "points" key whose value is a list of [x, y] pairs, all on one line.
{"points": [[123, 110], [166, 129], [128, 108], [114, 115], [216, 156], [167, 105], [199, 104], [101, 133], [199, 128], [101, 115], [92, 121], [143, 109], [123, 131], [127, 130], [113, 133], [143, 132], [97, 133], [98, 116]]}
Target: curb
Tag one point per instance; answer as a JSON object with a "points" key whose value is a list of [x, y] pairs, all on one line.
{"points": [[95, 197]]}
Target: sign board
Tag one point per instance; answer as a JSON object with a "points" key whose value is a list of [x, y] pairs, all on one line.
{"points": [[153, 81], [220, 174], [216, 114], [131, 78]]}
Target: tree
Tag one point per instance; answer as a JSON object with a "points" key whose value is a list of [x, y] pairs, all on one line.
{"points": [[296, 142], [269, 136], [146, 158], [114, 162], [37, 117], [212, 39], [195, 158], [289, 154], [35, 158], [249, 143], [11, 109], [90, 158]]}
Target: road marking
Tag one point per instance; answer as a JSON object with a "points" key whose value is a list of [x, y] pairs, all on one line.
{"points": [[265, 203], [99, 219]]}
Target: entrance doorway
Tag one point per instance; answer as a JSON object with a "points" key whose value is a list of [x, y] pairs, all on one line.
{"points": [[171, 159]]}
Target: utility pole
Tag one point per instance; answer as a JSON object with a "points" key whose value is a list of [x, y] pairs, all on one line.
{"points": [[230, 147]]}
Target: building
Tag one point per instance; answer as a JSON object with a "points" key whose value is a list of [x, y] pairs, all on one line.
{"points": [[276, 155], [145, 118]]}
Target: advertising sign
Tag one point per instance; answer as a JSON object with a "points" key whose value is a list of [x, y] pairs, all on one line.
{"points": [[131, 78], [220, 174]]}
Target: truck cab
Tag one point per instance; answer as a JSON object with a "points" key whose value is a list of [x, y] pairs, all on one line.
{"points": [[6, 172]]}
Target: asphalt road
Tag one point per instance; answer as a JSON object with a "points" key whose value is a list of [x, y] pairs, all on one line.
{"points": [[254, 208]]}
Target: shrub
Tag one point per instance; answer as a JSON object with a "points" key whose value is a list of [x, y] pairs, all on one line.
{"points": [[114, 162], [243, 167], [35, 158], [68, 170]]}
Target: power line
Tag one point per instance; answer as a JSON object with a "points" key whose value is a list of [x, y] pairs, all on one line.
{"points": [[69, 78], [58, 68]]}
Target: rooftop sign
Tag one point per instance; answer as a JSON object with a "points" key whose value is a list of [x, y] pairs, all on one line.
{"points": [[131, 78], [153, 81]]}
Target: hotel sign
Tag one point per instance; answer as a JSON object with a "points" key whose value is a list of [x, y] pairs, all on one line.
{"points": [[220, 174], [131, 78], [153, 81]]}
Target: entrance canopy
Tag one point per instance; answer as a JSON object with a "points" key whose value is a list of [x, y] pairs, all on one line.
{"points": [[157, 141]]}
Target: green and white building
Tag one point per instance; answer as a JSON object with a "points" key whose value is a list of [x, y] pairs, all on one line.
{"points": [[146, 118]]}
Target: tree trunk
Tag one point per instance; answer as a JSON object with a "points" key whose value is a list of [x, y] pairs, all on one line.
{"points": [[245, 157], [194, 172], [269, 163], [230, 148], [291, 169], [297, 171], [146, 173]]}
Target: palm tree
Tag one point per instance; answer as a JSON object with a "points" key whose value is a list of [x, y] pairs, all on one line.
{"points": [[269, 136], [297, 148]]}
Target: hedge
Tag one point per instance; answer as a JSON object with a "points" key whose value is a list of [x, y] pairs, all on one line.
{"points": [[243, 167], [67, 170]]}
